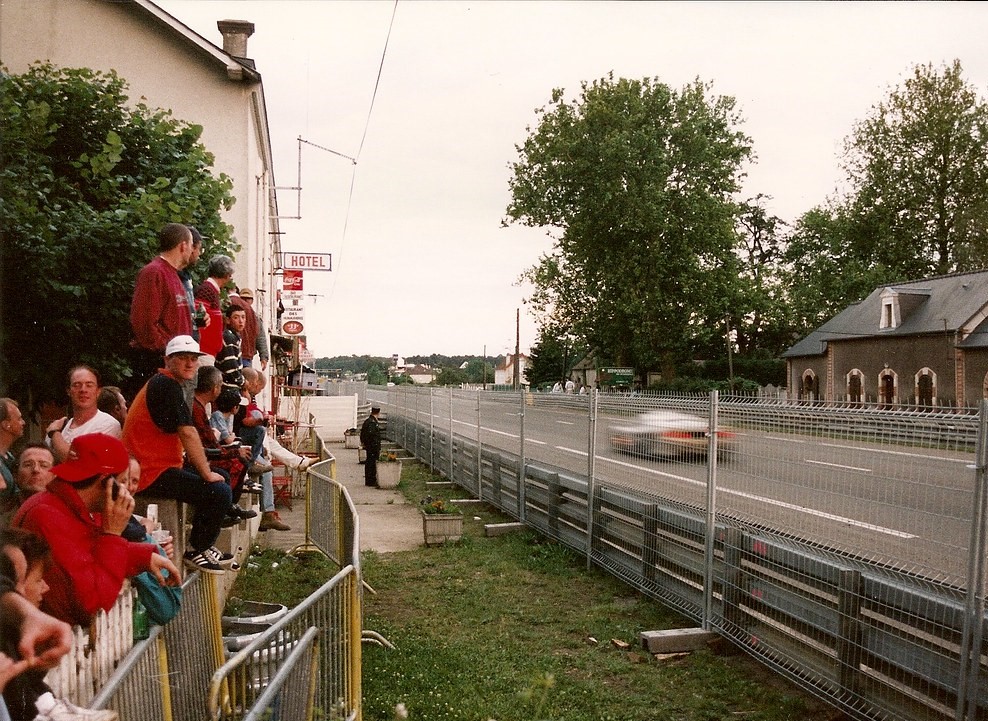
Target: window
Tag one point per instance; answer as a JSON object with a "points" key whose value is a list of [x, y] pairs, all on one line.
{"points": [[890, 310], [926, 384], [887, 386]]}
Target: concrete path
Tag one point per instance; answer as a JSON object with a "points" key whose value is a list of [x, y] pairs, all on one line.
{"points": [[387, 522]]}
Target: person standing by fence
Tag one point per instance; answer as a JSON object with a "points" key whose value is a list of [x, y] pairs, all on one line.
{"points": [[370, 438]]}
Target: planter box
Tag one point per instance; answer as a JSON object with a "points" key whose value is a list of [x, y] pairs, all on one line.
{"points": [[442, 527], [388, 474], [351, 440]]}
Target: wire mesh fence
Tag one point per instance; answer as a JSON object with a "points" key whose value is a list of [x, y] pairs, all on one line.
{"points": [[840, 545]]}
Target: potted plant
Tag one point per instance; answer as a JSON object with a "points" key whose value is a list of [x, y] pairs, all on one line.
{"points": [[441, 521], [351, 438], [388, 470]]}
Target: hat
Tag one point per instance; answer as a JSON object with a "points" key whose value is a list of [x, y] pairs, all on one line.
{"points": [[182, 344], [375, 409], [93, 454], [246, 293]]}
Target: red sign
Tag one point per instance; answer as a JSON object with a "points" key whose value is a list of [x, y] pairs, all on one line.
{"points": [[292, 280], [291, 327]]}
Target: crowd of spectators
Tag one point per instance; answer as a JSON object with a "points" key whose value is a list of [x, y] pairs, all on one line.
{"points": [[185, 426]]}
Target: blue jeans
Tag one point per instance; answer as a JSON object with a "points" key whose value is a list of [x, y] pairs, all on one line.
{"points": [[267, 492], [254, 437], [210, 501]]}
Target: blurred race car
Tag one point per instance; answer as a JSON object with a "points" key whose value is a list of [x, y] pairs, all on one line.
{"points": [[668, 434]]}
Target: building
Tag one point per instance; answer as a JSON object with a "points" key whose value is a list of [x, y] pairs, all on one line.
{"points": [[504, 374], [921, 343], [167, 65]]}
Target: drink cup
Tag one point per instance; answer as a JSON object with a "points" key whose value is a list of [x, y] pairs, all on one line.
{"points": [[152, 512], [160, 536]]}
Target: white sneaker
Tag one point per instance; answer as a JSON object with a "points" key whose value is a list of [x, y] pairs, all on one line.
{"points": [[53, 709], [305, 462]]}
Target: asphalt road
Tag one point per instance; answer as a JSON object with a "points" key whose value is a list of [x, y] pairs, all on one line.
{"points": [[890, 502]]}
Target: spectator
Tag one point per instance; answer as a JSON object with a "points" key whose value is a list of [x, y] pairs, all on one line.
{"points": [[85, 418], [34, 469], [221, 420], [160, 309], [250, 337], [11, 428], [370, 438], [231, 460], [261, 343], [219, 275], [159, 427], [81, 515], [253, 418], [137, 527], [228, 360], [111, 401], [186, 275]]}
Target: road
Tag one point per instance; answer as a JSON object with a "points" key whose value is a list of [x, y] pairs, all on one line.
{"points": [[892, 503]]}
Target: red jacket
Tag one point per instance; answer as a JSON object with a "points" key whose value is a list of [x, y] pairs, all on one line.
{"points": [[160, 309], [88, 566], [210, 337]]}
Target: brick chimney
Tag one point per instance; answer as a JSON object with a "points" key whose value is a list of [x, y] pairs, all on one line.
{"points": [[235, 34]]}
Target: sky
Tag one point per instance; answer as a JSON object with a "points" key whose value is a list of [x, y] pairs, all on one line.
{"points": [[421, 261]]}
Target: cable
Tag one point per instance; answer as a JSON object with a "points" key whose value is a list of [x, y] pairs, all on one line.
{"points": [[377, 82]]}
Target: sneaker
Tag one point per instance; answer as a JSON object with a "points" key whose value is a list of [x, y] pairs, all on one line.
{"points": [[53, 709], [197, 560], [271, 521], [261, 465], [229, 521], [242, 513], [305, 463], [253, 488], [220, 558]]}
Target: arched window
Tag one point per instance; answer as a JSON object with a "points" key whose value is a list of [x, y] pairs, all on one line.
{"points": [[855, 386], [809, 389], [926, 388], [888, 387]]}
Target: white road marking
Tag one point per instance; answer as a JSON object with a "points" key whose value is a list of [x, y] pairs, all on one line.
{"points": [[772, 501], [897, 453], [571, 450], [838, 465], [566, 423], [777, 438]]}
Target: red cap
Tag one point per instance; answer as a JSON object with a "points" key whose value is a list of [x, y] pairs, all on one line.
{"points": [[93, 454]]}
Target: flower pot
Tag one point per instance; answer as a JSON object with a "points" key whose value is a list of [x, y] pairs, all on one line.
{"points": [[442, 527], [351, 440], [388, 474]]}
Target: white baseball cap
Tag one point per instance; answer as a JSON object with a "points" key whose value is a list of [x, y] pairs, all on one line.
{"points": [[182, 344]]}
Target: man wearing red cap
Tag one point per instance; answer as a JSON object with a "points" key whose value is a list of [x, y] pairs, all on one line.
{"points": [[82, 514]]}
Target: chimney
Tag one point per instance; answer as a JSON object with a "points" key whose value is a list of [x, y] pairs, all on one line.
{"points": [[235, 34]]}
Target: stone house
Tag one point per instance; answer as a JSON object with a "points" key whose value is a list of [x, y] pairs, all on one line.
{"points": [[922, 343]]}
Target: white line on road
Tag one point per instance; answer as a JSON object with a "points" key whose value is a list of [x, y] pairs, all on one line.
{"points": [[777, 438], [897, 453], [772, 502], [571, 450], [566, 423], [838, 465]]}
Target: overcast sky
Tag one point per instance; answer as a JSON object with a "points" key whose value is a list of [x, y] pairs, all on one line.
{"points": [[421, 263]]}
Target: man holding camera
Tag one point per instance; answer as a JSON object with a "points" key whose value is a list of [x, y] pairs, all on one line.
{"points": [[81, 515]]}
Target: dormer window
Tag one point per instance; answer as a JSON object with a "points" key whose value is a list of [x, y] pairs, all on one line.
{"points": [[891, 316]]}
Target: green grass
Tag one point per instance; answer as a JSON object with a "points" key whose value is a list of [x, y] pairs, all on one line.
{"points": [[515, 628]]}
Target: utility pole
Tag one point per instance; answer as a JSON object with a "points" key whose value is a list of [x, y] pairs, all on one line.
{"points": [[517, 347], [730, 360]]}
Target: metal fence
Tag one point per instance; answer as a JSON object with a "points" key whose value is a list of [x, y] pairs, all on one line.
{"points": [[843, 547]]}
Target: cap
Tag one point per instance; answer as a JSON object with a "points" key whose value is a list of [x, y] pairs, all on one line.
{"points": [[246, 293], [375, 409], [93, 454], [182, 344]]}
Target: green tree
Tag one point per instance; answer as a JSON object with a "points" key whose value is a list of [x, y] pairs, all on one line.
{"points": [[918, 167], [551, 358], [635, 181], [449, 376], [85, 184]]}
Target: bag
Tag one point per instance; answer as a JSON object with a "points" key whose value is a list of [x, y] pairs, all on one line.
{"points": [[162, 602]]}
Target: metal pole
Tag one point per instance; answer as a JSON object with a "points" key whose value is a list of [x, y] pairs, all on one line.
{"points": [[591, 468], [521, 457], [708, 566], [970, 656], [432, 430], [480, 492], [451, 435]]}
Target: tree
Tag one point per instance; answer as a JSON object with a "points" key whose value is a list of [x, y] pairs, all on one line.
{"points": [[449, 376], [635, 181], [918, 166], [551, 358], [85, 183]]}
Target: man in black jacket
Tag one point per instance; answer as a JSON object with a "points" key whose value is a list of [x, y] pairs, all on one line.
{"points": [[370, 438]]}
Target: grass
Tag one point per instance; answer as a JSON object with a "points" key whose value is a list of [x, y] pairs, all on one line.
{"points": [[515, 628]]}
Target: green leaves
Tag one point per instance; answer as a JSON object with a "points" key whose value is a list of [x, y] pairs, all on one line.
{"points": [[86, 181]]}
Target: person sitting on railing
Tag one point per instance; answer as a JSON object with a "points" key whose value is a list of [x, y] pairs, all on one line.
{"points": [[24, 558], [81, 515], [159, 428]]}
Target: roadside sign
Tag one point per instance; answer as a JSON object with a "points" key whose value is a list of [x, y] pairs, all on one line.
{"points": [[306, 261], [617, 376], [291, 327], [292, 280]]}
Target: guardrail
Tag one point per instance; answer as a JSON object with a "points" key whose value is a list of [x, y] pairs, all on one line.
{"points": [[876, 641]]}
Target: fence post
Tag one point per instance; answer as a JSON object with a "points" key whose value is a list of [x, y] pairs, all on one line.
{"points": [[708, 565], [480, 461], [451, 435], [521, 461], [432, 431], [591, 467], [970, 656]]}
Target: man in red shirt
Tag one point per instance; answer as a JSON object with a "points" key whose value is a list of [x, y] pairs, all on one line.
{"points": [[81, 514], [160, 308]]}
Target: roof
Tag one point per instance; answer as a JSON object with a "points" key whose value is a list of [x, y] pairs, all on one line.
{"points": [[943, 304]]}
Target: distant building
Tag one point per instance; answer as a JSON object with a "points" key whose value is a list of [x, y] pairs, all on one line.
{"points": [[420, 374], [504, 374], [922, 343]]}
